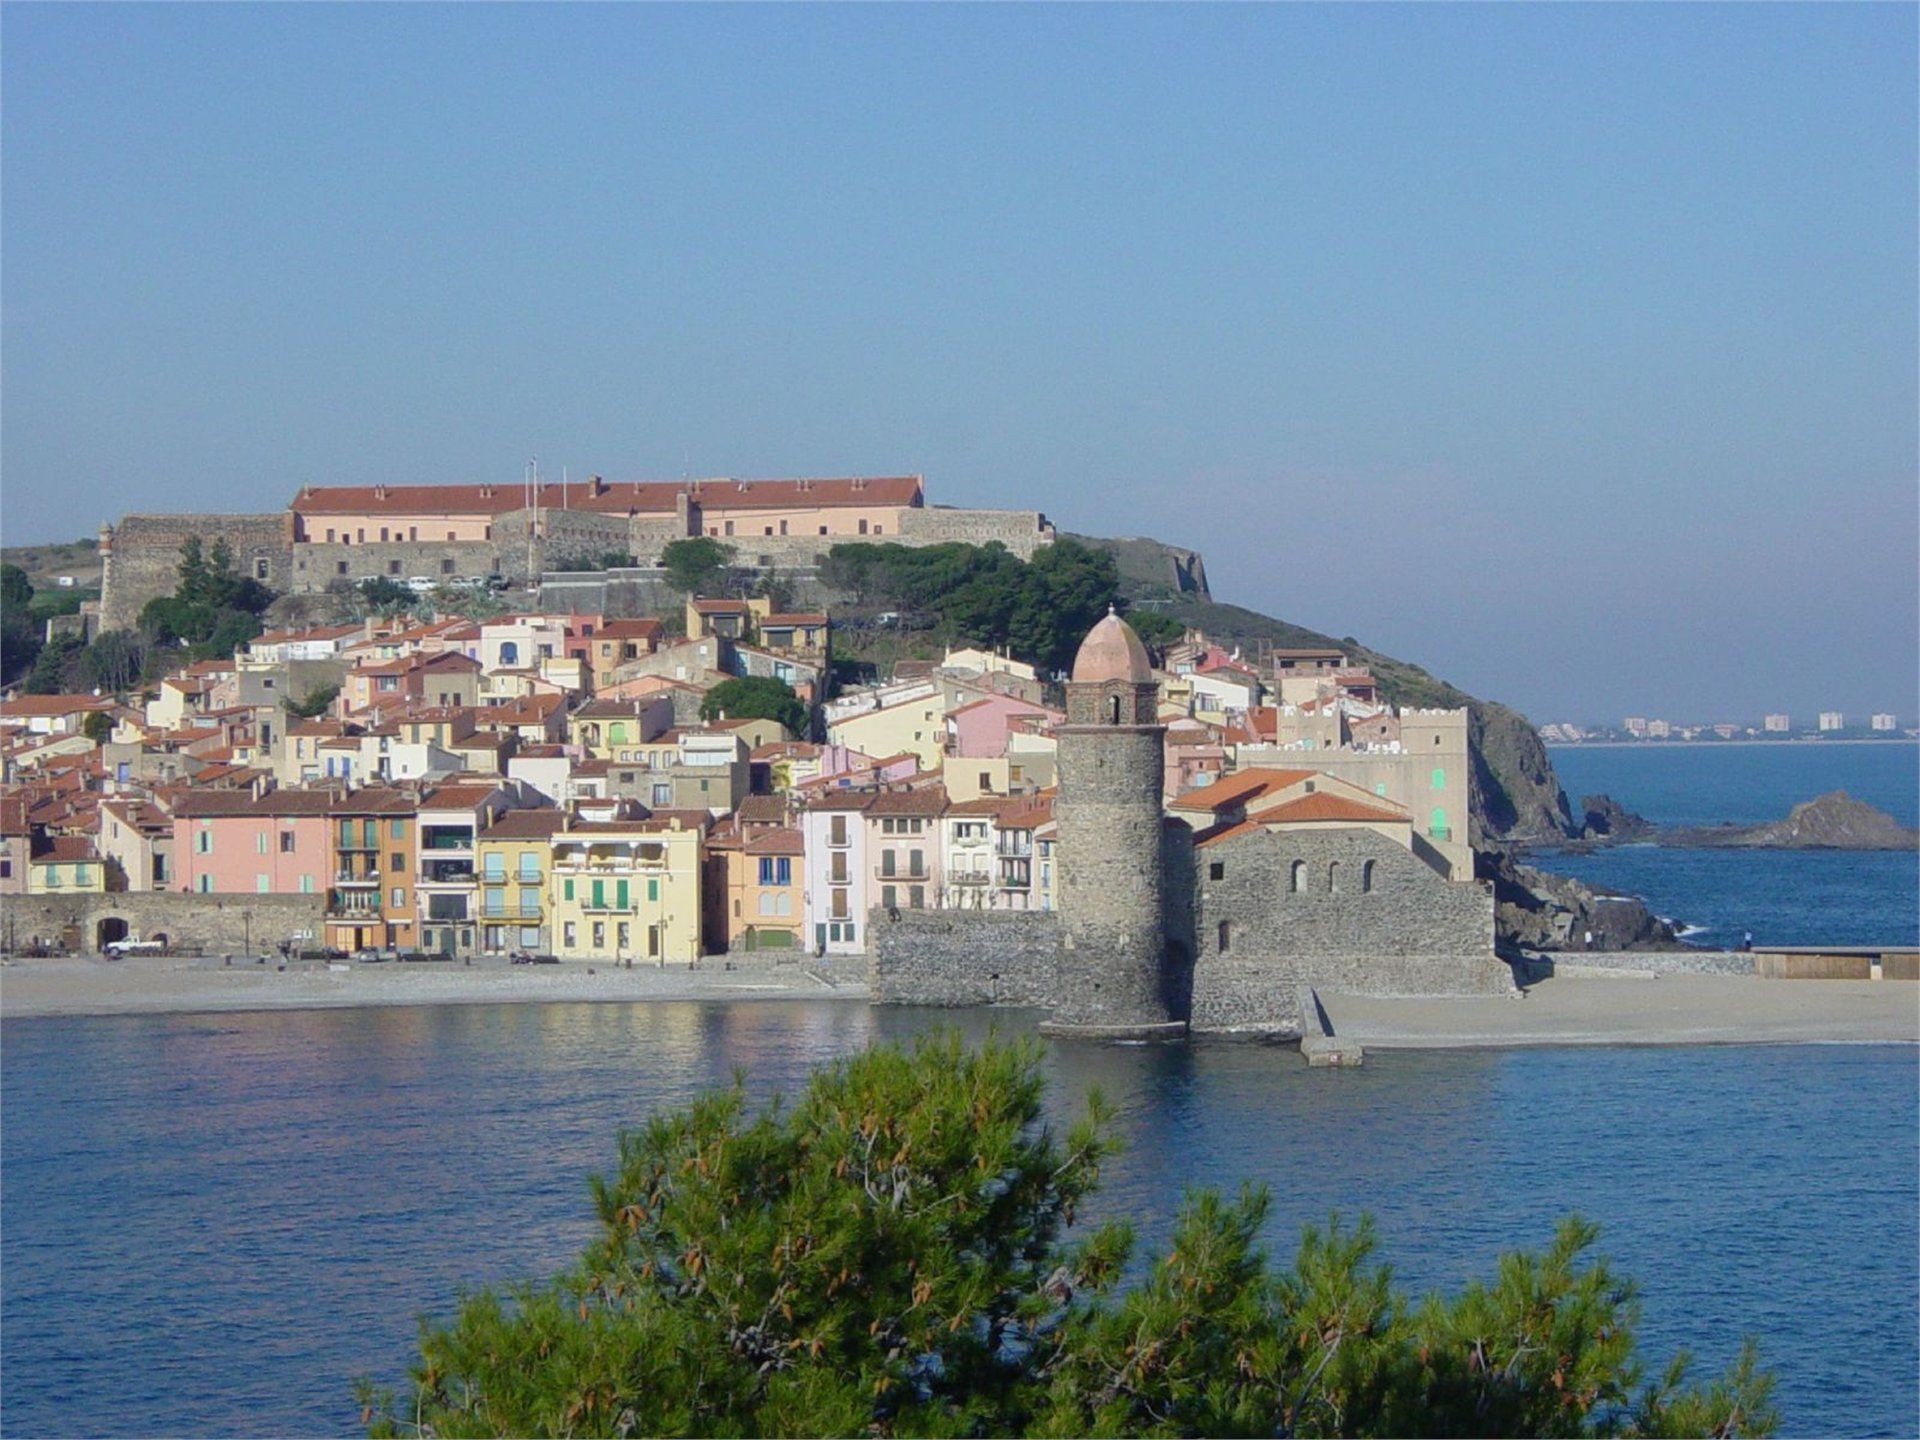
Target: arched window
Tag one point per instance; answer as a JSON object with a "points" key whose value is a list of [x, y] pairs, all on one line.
{"points": [[509, 652], [1297, 877], [1439, 778], [1226, 935], [1113, 709], [1333, 878], [1366, 877]]}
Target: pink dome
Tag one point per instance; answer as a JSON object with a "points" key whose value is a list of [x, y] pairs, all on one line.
{"points": [[1112, 651]]}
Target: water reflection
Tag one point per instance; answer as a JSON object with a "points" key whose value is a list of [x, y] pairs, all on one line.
{"points": [[211, 1225]]}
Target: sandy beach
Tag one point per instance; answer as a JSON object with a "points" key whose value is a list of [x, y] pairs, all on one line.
{"points": [[1628, 1008], [1621, 1007], [137, 986]]}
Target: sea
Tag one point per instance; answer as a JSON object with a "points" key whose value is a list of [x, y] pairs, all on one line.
{"points": [[212, 1225], [1780, 897]]}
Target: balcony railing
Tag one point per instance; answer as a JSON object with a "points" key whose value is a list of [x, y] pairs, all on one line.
{"points": [[357, 877], [447, 872]]}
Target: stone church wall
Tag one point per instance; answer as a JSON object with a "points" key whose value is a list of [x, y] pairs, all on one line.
{"points": [[1410, 933]]}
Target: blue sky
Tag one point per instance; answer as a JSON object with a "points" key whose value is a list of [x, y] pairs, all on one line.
{"points": [[1567, 350]]}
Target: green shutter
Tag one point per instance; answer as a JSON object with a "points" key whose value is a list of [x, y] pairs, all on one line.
{"points": [[620, 894], [1439, 778], [653, 892], [599, 895], [567, 889]]}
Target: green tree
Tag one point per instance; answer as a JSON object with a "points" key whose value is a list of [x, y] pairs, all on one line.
{"points": [[116, 659], [1156, 627], [97, 727], [59, 668], [16, 590], [314, 703], [888, 1256], [755, 697], [380, 593], [20, 642], [698, 565]]}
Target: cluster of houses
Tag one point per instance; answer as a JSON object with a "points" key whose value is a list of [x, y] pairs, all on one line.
{"points": [[561, 784]]}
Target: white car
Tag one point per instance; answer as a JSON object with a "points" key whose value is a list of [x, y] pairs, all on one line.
{"points": [[120, 949], [420, 584]]}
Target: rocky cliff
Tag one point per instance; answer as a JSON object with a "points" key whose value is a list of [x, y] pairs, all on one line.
{"points": [[1516, 794], [1834, 821]]}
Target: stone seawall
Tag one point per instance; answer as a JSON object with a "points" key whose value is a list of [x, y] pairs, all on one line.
{"points": [[216, 924], [962, 957]]}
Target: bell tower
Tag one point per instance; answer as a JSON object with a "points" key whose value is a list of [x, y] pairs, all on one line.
{"points": [[1112, 973]]}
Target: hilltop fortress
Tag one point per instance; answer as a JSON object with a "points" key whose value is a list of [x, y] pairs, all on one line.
{"points": [[333, 536]]}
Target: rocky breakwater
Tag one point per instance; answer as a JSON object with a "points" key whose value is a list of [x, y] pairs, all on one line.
{"points": [[1834, 821], [1538, 910]]}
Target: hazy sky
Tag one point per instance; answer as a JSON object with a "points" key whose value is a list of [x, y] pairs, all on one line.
{"points": [[1567, 350]]}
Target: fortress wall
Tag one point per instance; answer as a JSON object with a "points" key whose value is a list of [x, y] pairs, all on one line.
{"points": [[315, 568], [572, 534], [1021, 531], [1413, 934], [962, 957], [648, 535], [217, 924], [140, 557]]}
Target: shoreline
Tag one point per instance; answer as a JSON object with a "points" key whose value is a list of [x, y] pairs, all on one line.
{"points": [[1622, 1005], [71, 987]]}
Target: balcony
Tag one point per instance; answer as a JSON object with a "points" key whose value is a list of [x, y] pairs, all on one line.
{"points": [[447, 872], [358, 877], [353, 906]]}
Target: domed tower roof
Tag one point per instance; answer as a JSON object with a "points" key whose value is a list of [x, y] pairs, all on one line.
{"points": [[1112, 651]]}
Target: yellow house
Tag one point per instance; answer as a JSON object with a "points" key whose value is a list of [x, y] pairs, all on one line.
{"points": [[512, 858], [65, 865], [605, 729], [918, 725], [627, 890]]}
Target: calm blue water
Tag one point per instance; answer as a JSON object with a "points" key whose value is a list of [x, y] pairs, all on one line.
{"points": [[1784, 897], [212, 1224]]}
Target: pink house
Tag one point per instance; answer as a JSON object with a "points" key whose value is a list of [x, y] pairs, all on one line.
{"points": [[231, 842], [978, 730]]}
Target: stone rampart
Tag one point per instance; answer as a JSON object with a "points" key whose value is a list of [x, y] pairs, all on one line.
{"points": [[318, 567], [140, 557], [1021, 531], [215, 924], [962, 957]]}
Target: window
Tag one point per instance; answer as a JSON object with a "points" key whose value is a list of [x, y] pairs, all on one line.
{"points": [[566, 935], [446, 567], [776, 871], [529, 868], [286, 842], [889, 862], [889, 897], [306, 884], [863, 527], [1437, 824], [566, 890], [260, 886], [393, 567], [397, 863], [259, 569], [203, 842], [840, 910], [1366, 878], [1297, 878], [599, 934], [1225, 936], [620, 897], [205, 885], [339, 567], [653, 892], [260, 843], [1439, 778], [1217, 870], [837, 832], [1333, 878], [916, 862], [494, 865], [986, 780], [397, 898], [917, 897]]}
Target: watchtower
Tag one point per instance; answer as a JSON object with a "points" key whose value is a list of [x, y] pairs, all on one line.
{"points": [[1113, 975]]}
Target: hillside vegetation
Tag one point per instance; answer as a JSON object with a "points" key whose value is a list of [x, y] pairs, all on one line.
{"points": [[1516, 794]]}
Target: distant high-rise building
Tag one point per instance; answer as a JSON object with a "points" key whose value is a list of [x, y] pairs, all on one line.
{"points": [[1635, 725], [1832, 720], [1885, 722], [1658, 730], [1777, 724], [1726, 730]]}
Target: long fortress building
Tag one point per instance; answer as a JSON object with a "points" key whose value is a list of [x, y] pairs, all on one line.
{"points": [[332, 536]]}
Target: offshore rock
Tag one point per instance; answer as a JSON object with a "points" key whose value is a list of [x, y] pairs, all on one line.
{"points": [[1605, 818], [1834, 821]]}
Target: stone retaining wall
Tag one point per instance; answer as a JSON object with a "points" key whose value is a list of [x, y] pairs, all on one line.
{"points": [[213, 923], [962, 957]]}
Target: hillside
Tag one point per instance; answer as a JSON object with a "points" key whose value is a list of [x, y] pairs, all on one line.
{"points": [[1516, 794]]}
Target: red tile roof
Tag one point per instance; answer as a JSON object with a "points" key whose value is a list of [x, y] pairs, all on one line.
{"points": [[1323, 806], [608, 497]]}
